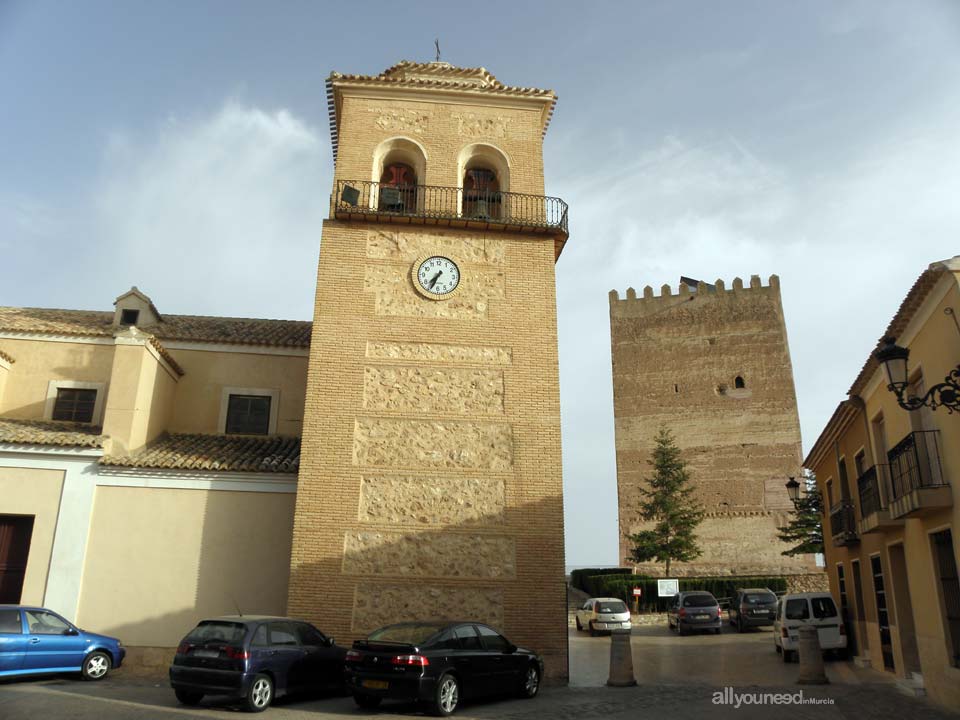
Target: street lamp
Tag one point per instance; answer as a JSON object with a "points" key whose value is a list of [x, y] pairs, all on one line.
{"points": [[793, 490], [894, 361]]}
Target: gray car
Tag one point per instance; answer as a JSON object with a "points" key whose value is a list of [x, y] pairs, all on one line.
{"points": [[752, 607], [694, 610]]}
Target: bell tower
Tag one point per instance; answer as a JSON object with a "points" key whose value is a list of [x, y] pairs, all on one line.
{"points": [[430, 477]]}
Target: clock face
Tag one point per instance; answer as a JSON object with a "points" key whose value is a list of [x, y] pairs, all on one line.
{"points": [[437, 276]]}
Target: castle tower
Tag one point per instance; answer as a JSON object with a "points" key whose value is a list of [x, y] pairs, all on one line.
{"points": [[430, 480], [711, 364]]}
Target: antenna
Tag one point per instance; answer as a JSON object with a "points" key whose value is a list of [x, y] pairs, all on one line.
{"points": [[237, 606], [436, 44]]}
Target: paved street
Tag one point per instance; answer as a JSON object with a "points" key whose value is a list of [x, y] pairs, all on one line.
{"points": [[677, 679]]}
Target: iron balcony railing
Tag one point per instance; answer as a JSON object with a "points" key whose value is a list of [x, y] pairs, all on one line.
{"points": [[915, 464], [453, 205], [869, 488], [843, 523]]}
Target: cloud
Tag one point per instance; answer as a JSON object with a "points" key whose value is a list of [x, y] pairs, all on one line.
{"points": [[221, 212]]}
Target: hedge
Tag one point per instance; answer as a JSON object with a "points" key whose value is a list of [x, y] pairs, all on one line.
{"points": [[577, 577], [621, 586]]}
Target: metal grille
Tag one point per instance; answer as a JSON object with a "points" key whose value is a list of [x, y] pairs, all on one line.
{"points": [[915, 463], [843, 522], [476, 205], [869, 490], [950, 587]]}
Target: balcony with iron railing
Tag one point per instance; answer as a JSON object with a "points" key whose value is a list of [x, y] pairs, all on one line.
{"points": [[874, 514], [843, 524], [450, 207], [916, 482]]}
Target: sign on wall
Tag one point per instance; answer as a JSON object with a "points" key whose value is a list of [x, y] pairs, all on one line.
{"points": [[668, 588]]}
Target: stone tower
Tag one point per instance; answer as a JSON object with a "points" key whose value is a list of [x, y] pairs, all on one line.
{"points": [[430, 479], [713, 366]]}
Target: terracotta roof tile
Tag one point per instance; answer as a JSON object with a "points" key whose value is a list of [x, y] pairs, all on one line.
{"points": [[7, 358], [184, 328], [162, 351], [43, 432], [227, 453]]}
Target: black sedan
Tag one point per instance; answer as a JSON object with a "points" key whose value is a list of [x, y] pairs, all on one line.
{"points": [[439, 664], [255, 659]]}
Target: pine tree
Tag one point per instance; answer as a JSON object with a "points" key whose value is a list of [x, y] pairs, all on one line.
{"points": [[668, 502], [805, 529]]}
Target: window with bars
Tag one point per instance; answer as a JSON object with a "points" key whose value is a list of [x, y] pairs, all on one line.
{"points": [[946, 565], [75, 405], [248, 415]]}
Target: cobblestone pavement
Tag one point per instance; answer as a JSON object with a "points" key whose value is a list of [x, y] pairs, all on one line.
{"points": [[679, 679]]}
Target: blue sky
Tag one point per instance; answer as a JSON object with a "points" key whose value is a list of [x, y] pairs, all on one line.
{"points": [[182, 147]]}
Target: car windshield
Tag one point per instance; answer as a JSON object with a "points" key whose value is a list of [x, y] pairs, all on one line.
{"points": [[413, 634], [218, 631], [704, 600], [611, 607], [823, 607], [797, 609], [765, 598]]}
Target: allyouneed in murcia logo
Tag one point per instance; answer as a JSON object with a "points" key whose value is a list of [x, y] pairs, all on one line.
{"points": [[728, 696]]}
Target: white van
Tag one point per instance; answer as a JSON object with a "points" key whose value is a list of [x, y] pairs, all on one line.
{"points": [[811, 608]]}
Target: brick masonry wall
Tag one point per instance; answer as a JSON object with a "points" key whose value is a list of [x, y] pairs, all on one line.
{"points": [[676, 357]]}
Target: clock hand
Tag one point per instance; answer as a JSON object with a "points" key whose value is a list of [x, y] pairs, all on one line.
{"points": [[434, 280]]}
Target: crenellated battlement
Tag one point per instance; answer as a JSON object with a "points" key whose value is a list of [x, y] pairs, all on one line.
{"points": [[686, 292]]}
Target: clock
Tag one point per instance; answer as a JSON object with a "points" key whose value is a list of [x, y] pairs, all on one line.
{"points": [[436, 277]]}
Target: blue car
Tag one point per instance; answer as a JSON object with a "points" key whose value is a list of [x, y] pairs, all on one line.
{"points": [[255, 658], [34, 640]]}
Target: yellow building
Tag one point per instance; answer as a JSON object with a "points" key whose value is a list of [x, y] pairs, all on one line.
{"points": [[888, 476], [150, 464]]}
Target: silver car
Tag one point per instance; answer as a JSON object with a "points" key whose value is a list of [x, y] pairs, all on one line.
{"points": [[694, 610], [603, 615]]}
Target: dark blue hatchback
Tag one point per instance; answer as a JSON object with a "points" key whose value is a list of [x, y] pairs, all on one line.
{"points": [[255, 659], [35, 640]]}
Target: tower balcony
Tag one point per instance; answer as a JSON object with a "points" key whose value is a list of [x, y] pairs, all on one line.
{"points": [[843, 526], [358, 200], [916, 481]]}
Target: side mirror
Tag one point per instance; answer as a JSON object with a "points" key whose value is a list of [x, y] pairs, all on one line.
{"points": [[71, 631], [510, 649], [328, 642]]}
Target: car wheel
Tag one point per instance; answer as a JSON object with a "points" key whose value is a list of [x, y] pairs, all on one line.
{"points": [[447, 696], [96, 665], [579, 625], [843, 654], [716, 631], [680, 630], [367, 702], [593, 632], [260, 694], [531, 682], [188, 697], [777, 648]]}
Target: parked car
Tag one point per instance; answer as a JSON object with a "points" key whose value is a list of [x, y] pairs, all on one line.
{"points": [[35, 640], [752, 607], [254, 658], [603, 614], [439, 664], [694, 610], [812, 608]]}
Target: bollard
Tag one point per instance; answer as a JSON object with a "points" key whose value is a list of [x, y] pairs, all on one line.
{"points": [[621, 660], [811, 658]]}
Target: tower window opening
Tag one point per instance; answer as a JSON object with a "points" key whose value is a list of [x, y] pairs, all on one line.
{"points": [[676, 388], [481, 193], [398, 188], [739, 383]]}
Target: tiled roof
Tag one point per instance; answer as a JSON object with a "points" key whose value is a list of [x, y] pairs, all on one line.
{"points": [[911, 303], [42, 432], [184, 328], [7, 358], [162, 352], [228, 453]]}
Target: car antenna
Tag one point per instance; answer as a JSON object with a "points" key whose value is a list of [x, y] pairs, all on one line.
{"points": [[238, 608]]}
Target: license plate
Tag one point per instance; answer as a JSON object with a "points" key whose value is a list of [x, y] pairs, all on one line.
{"points": [[206, 653], [376, 684], [703, 617], [759, 612]]}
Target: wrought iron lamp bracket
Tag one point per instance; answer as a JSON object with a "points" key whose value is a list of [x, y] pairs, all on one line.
{"points": [[945, 394]]}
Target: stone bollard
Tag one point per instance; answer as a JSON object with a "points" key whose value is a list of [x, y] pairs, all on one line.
{"points": [[811, 658], [621, 660]]}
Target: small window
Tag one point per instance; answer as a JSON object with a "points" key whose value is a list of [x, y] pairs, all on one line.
{"points": [[699, 600], [858, 462], [74, 405], [492, 640], [129, 317], [10, 622], [248, 415], [446, 641], [797, 609], [739, 383], [823, 607], [281, 633], [309, 635], [469, 640], [45, 623], [210, 631], [260, 636]]}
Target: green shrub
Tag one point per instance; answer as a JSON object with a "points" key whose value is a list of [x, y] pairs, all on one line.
{"points": [[577, 576], [621, 586]]}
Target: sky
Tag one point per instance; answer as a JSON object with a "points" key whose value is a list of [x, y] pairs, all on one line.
{"points": [[183, 147]]}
